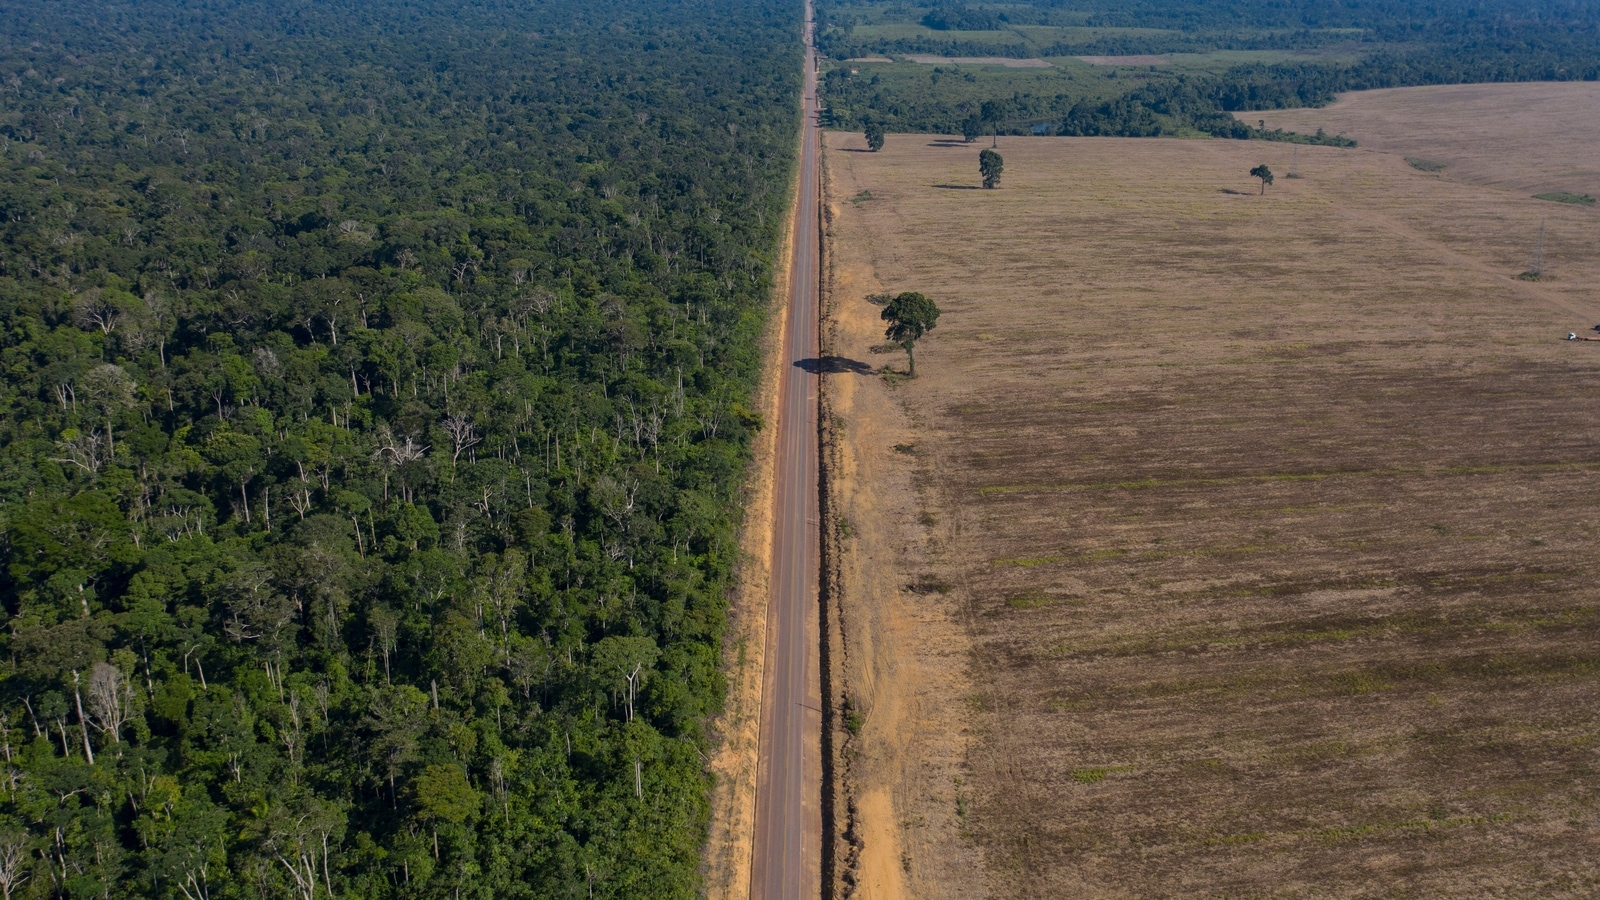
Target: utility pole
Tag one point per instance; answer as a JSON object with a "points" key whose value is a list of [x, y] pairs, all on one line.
{"points": [[1536, 266]]}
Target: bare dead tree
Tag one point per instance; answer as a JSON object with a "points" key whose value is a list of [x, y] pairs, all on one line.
{"points": [[13, 863], [93, 310], [88, 450], [83, 720], [463, 435], [110, 700], [385, 626]]}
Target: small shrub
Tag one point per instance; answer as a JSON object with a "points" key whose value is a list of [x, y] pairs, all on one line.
{"points": [[853, 720], [1425, 165]]}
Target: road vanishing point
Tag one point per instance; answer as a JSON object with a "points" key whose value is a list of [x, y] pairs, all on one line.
{"points": [[787, 855]]}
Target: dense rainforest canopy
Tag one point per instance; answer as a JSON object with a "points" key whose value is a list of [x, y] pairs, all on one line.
{"points": [[375, 405]]}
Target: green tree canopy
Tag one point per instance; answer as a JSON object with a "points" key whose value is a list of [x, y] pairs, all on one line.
{"points": [[910, 316], [1263, 173], [990, 166], [874, 136]]}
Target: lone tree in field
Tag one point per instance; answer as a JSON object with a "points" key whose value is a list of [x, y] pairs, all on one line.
{"points": [[1263, 173], [990, 165], [910, 316], [874, 137]]}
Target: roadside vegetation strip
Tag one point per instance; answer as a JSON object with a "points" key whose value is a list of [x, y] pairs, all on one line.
{"points": [[1148, 483]]}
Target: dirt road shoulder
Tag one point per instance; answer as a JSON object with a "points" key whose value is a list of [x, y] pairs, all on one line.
{"points": [[899, 741]]}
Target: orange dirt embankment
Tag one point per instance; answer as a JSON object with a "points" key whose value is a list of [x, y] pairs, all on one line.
{"points": [[899, 654]]}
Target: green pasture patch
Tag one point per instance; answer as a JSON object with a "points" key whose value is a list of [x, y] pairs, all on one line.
{"points": [[899, 31], [1358, 683], [1564, 197], [1425, 165], [1094, 776], [1030, 600]]}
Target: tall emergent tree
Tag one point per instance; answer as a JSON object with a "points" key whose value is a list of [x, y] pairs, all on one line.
{"points": [[910, 316], [1263, 173], [993, 113], [874, 137], [990, 165]]}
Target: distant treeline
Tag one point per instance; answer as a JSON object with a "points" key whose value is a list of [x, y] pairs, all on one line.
{"points": [[1185, 104], [1201, 26], [842, 45]]}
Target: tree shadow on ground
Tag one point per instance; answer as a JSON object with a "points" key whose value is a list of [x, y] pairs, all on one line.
{"points": [[853, 150], [1236, 193], [950, 144], [958, 187], [834, 365]]}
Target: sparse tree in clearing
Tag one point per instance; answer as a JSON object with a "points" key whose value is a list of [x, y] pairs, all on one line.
{"points": [[874, 137], [910, 316], [1263, 173], [990, 165]]}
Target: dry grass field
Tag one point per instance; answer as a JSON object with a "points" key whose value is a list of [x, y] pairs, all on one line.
{"points": [[1226, 545], [1530, 138]]}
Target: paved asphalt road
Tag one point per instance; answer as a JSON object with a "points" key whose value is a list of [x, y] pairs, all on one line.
{"points": [[788, 840]]}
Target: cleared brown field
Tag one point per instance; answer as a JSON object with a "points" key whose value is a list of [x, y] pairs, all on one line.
{"points": [[1531, 138], [1226, 545]]}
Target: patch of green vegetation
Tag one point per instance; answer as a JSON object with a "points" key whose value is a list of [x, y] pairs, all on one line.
{"points": [[1030, 600], [862, 197], [1357, 683], [853, 719], [929, 584], [1564, 197], [1425, 165], [1094, 776]]}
